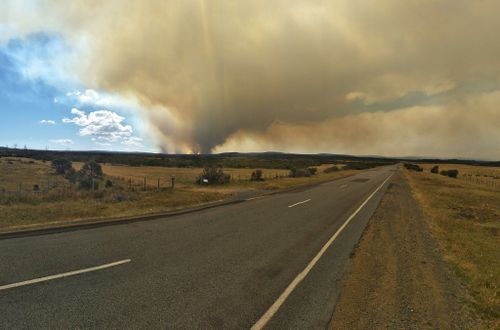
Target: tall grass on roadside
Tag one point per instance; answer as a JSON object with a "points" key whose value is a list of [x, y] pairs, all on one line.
{"points": [[465, 219]]}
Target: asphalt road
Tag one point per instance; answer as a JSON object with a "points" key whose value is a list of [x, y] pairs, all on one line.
{"points": [[219, 268]]}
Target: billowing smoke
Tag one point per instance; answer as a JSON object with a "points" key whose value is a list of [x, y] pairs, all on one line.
{"points": [[389, 77]]}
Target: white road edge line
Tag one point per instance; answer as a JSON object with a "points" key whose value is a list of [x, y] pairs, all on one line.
{"points": [[307, 200], [53, 277], [261, 323], [252, 198]]}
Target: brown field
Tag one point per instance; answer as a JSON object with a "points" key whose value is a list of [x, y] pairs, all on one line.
{"points": [[184, 176], [58, 201], [479, 175], [464, 216], [21, 174]]}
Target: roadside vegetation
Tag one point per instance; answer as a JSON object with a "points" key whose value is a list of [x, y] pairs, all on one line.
{"points": [[462, 207], [34, 192]]}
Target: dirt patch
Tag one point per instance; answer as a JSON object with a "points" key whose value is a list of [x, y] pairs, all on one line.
{"points": [[398, 279]]}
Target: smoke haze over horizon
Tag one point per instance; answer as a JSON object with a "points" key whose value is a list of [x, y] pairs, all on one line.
{"points": [[389, 77]]}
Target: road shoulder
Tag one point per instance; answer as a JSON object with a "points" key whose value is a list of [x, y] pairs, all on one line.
{"points": [[397, 276]]}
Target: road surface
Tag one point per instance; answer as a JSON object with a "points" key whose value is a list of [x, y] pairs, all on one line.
{"points": [[274, 262]]}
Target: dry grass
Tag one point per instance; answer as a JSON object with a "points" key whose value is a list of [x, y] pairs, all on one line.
{"points": [[465, 219], [184, 176], [479, 175], [63, 203], [22, 174], [111, 205]]}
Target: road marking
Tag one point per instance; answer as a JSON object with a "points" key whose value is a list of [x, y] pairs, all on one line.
{"points": [[261, 323], [53, 277], [252, 198], [307, 200]]}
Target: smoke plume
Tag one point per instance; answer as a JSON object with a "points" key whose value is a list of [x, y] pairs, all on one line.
{"points": [[389, 77]]}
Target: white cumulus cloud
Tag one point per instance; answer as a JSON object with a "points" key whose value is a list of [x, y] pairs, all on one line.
{"points": [[104, 127], [47, 121]]}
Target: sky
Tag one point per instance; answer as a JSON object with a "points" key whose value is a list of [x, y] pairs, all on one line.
{"points": [[388, 77]]}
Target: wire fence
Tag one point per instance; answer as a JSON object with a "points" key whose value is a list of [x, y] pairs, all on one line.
{"points": [[57, 185], [490, 181]]}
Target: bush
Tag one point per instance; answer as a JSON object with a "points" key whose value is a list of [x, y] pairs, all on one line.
{"points": [[88, 175], [435, 169], [302, 172], [413, 167], [334, 168], [450, 173], [91, 169], [108, 184], [71, 175], [36, 187], [61, 165], [257, 176], [86, 183], [214, 175], [312, 170]]}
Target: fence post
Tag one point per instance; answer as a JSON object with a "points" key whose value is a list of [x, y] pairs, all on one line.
{"points": [[173, 181], [130, 183], [158, 183]]}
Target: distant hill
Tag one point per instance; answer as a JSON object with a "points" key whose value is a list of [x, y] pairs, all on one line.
{"points": [[270, 159]]}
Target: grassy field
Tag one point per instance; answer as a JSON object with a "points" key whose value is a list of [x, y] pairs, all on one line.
{"points": [[58, 201], [464, 216], [184, 176]]}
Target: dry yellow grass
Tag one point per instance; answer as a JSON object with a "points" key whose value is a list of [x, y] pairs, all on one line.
{"points": [[479, 175], [114, 204], [23, 173], [184, 176], [465, 219], [63, 203]]}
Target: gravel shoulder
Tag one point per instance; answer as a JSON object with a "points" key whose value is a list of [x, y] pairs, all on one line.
{"points": [[397, 278]]}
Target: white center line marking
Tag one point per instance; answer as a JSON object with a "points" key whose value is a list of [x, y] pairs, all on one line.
{"points": [[307, 200], [53, 277], [261, 323]]}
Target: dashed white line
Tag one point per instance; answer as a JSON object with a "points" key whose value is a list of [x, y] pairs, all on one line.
{"points": [[72, 273], [307, 200], [261, 323]]}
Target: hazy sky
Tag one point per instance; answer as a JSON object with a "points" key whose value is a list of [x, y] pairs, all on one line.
{"points": [[387, 77]]}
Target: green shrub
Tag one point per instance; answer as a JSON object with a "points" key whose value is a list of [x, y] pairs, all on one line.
{"points": [[88, 175], [257, 176], [312, 170], [213, 175], [61, 165], [450, 173], [302, 172], [108, 184], [91, 169], [413, 167], [71, 175], [334, 168], [435, 169]]}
